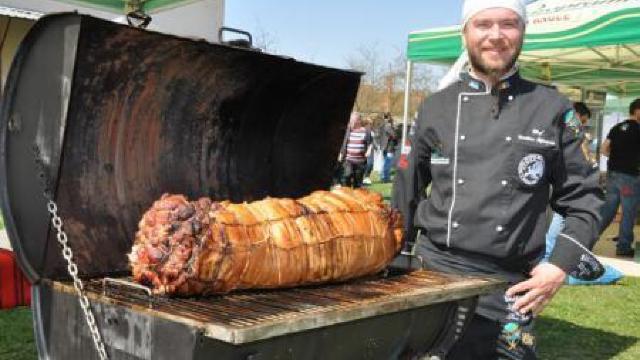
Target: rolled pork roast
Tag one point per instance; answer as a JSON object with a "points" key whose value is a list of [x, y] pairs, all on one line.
{"points": [[204, 247]]}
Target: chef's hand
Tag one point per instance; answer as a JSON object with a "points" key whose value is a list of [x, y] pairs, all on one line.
{"points": [[546, 279]]}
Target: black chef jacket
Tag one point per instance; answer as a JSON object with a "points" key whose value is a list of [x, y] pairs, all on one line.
{"points": [[495, 159]]}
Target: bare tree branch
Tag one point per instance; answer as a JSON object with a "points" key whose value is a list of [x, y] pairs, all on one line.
{"points": [[263, 39], [382, 87]]}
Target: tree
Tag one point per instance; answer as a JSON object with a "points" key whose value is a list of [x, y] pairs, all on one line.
{"points": [[383, 84], [264, 40], [368, 60], [424, 81]]}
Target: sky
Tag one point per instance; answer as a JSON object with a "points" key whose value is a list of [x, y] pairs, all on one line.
{"points": [[328, 32]]}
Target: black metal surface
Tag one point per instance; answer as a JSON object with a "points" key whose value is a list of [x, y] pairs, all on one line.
{"points": [[131, 334], [148, 114], [33, 121], [247, 43], [62, 333]]}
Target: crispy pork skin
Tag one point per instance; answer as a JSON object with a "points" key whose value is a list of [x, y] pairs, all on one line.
{"points": [[204, 247]]}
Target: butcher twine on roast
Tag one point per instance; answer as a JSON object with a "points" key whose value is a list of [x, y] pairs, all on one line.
{"points": [[187, 247]]}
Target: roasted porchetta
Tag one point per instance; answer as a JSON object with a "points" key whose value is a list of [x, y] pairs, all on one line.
{"points": [[204, 247]]}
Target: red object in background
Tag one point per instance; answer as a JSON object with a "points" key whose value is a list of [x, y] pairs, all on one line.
{"points": [[403, 161], [15, 290], [626, 191]]}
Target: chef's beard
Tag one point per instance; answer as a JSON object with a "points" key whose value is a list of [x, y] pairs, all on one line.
{"points": [[478, 65]]}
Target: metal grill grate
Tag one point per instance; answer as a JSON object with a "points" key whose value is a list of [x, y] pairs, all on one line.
{"points": [[254, 315]]}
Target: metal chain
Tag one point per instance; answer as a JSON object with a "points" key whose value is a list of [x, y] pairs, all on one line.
{"points": [[72, 268]]}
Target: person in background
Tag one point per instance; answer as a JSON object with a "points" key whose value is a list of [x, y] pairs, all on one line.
{"points": [[584, 114], [557, 221], [622, 146], [492, 145], [371, 158], [388, 143], [355, 150], [611, 274]]}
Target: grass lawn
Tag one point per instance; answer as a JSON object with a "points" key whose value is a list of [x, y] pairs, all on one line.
{"points": [[582, 322], [16, 335], [592, 322], [384, 189]]}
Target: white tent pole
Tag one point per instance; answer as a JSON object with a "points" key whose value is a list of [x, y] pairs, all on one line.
{"points": [[407, 102]]}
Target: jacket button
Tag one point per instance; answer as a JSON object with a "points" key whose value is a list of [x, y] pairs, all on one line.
{"points": [[499, 228], [508, 138], [455, 225]]}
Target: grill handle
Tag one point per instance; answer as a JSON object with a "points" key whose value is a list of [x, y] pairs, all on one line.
{"points": [[119, 282]]}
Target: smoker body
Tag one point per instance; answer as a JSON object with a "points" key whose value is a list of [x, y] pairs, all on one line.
{"points": [[402, 316], [103, 119]]}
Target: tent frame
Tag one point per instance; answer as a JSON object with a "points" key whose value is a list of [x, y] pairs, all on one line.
{"points": [[585, 44], [407, 104]]}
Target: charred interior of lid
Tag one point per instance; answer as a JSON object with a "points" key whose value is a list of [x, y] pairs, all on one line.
{"points": [[147, 114], [191, 118]]}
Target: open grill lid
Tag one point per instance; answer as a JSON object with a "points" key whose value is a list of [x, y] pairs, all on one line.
{"points": [[110, 117]]}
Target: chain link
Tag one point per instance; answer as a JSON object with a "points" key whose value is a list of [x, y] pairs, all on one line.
{"points": [[56, 221]]}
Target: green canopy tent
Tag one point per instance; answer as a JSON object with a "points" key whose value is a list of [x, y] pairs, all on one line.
{"points": [[592, 44]]}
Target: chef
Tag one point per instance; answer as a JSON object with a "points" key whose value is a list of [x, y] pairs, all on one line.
{"points": [[497, 151]]}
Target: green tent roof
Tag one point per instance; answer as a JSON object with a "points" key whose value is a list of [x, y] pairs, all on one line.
{"points": [[119, 6], [568, 42]]}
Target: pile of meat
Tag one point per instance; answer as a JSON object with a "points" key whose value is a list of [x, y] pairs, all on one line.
{"points": [[202, 247]]}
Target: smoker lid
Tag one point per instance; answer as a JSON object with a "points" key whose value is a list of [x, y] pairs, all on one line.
{"points": [[110, 117]]}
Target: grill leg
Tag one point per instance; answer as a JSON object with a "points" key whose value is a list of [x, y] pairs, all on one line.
{"points": [[39, 320]]}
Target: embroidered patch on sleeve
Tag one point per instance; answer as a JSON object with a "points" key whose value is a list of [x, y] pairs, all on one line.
{"points": [[511, 333], [528, 339]]}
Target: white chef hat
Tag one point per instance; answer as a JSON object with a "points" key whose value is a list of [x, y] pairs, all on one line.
{"points": [[472, 7], [469, 9]]}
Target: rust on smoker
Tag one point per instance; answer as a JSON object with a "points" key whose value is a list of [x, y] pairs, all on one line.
{"points": [[151, 113]]}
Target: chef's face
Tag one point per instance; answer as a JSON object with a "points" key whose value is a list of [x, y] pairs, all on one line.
{"points": [[493, 38]]}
